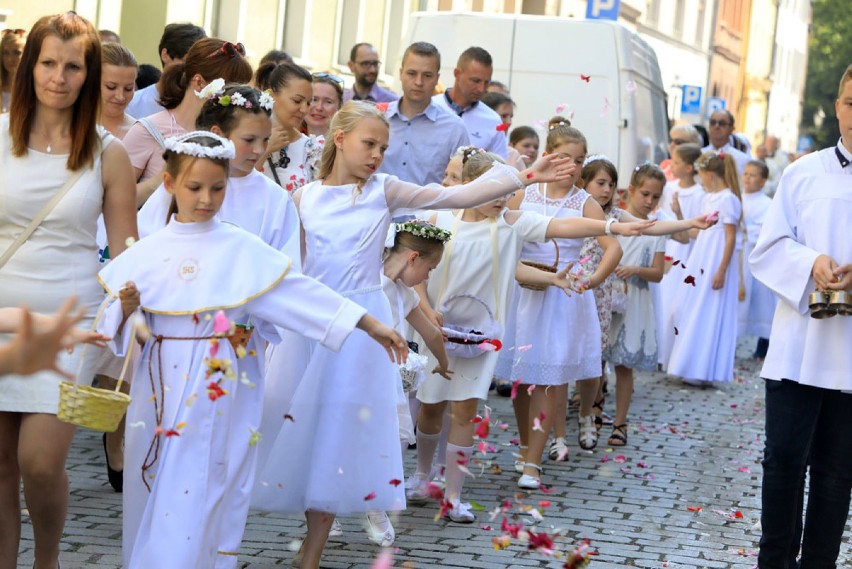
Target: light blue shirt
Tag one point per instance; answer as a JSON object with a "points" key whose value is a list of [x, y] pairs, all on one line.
{"points": [[421, 146], [145, 102], [481, 122]]}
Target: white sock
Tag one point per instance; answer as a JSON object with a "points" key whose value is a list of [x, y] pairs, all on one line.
{"points": [[441, 463], [425, 452], [455, 476]]}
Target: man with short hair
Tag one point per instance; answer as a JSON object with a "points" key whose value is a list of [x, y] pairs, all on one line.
{"points": [[174, 43], [472, 76], [423, 136], [721, 128], [364, 64]]}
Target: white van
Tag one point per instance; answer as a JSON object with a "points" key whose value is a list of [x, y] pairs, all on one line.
{"points": [[603, 73]]}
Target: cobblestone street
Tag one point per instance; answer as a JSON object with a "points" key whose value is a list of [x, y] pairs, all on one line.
{"points": [[684, 493]]}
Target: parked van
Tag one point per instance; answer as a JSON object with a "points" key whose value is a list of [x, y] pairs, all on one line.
{"points": [[602, 72]]}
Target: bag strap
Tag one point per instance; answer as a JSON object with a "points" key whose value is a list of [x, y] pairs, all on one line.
{"points": [[274, 173], [40, 216], [152, 130], [495, 263]]}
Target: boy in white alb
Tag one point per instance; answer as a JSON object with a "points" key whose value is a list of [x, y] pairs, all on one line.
{"points": [[757, 305], [804, 246]]}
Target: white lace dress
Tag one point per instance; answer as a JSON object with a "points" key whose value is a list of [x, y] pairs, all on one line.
{"points": [[559, 335]]}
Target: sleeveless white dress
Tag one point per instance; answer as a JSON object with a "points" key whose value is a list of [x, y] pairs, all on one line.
{"points": [[59, 259], [559, 335]]}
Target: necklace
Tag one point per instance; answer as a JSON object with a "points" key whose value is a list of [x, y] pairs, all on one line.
{"points": [[48, 148]]}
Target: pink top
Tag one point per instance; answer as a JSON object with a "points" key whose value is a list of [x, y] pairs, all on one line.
{"points": [[145, 152]]}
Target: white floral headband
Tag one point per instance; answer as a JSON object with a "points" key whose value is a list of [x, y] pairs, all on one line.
{"points": [[184, 144], [215, 88], [594, 157], [424, 229]]}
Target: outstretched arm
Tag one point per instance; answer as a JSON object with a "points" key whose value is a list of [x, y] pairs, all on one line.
{"points": [[434, 339]]}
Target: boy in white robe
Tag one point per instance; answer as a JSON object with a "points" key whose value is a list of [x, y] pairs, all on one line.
{"points": [[804, 246]]}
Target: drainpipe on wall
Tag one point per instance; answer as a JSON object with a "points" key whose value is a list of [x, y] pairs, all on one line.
{"points": [[771, 76]]}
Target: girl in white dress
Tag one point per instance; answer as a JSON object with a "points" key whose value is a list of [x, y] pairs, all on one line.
{"points": [[253, 202], [291, 158], [194, 416], [632, 336], [49, 137], [417, 249], [478, 269], [682, 198], [704, 309], [559, 331], [340, 453], [757, 308]]}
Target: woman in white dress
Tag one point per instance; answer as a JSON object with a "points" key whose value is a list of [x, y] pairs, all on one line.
{"points": [[340, 452], [47, 140], [291, 158], [471, 289], [704, 309]]}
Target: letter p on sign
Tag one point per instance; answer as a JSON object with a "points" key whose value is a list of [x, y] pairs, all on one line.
{"points": [[602, 9]]}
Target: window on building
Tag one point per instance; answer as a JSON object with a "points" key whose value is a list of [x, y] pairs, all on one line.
{"points": [[679, 16], [653, 13], [699, 24]]}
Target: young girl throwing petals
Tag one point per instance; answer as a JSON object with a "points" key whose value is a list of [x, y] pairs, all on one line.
{"points": [[558, 353], [478, 268], [348, 400], [704, 309], [192, 423]]}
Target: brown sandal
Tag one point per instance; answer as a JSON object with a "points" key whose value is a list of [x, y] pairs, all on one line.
{"points": [[618, 438]]}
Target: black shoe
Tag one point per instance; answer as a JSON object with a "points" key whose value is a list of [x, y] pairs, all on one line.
{"points": [[762, 348], [115, 477], [504, 388]]}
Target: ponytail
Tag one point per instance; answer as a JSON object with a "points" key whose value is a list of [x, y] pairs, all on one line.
{"points": [[172, 85], [732, 178]]}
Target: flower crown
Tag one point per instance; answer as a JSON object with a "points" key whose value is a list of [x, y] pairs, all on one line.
{"points": [[558, 124], [424, 229], [215, 88], [704, 160], [184, 144], [595, 157]]}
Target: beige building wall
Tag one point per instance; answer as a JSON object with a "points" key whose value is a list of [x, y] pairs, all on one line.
{"points": [[754, 106]]}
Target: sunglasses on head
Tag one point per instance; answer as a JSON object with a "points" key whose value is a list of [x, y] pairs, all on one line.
{"points": [[16, 31], [229, 49], [324, 75]]}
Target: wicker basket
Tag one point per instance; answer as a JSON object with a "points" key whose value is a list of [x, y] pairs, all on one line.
{"points": [[463, 342], [542, 267], [90, 407]]}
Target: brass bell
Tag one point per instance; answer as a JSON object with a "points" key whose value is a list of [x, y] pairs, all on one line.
{"points": [[819, 305], [840, 301]]}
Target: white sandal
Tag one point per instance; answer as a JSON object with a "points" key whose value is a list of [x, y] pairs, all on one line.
{"points": [[588, 436], [529, 482], [520, 460], [379, 528]]}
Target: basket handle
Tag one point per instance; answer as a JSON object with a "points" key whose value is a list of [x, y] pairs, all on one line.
{"points": [[556, 262], [471, 297], [129, 355]]}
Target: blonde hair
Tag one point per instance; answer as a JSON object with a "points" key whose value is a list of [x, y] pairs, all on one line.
{"points": [[346, 120], [116, 54], [560, 131], [476, 162], [722, 164]]}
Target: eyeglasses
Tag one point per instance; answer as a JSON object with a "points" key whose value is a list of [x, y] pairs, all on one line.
{"points": [[714, 122], [367, 64], [229, 49], [679, 141], [324, 75], [16, 31]]}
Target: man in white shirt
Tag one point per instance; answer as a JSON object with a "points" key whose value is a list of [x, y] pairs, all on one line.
{"points": [[721, 127], [174, 43], [804, 246], [472, 75], [423, 136]]}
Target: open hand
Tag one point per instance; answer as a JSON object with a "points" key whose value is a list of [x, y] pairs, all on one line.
{"points": [[704, 221], [549, 168]]}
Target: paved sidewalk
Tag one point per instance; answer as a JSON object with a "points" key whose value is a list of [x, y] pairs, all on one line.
{"points": [[685, 493]]}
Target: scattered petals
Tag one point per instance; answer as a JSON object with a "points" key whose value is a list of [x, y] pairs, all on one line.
{"points": [[515, 385], [620, 459], [694, 508], [502, 127], [370, 496], [585, 78], [254, 437], [712, 217], [530, 176], [689, 280], [630, 87], [382, 107], [395, 482], [289, 417], [605, 108], [385, 559], [524, 348]]}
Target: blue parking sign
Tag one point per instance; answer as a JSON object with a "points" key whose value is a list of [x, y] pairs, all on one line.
{"points": [[602, 9], [691, 100], [715, 104]]}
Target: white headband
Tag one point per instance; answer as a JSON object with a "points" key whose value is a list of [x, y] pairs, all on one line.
{"points": [[593, 157], [184, 145]]}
